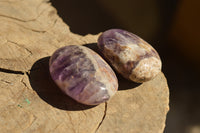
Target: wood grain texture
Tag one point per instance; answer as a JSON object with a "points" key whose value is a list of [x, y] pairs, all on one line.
{"points": [[30, 102]]}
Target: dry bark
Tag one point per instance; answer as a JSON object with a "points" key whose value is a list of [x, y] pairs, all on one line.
{"points": [[30, 102]]}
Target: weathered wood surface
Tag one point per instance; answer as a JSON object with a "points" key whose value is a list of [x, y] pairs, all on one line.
{"points": [[30, 102]]}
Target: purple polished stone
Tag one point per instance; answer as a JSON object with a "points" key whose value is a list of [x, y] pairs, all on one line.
{"points": [[83, 74], [130, 55]]}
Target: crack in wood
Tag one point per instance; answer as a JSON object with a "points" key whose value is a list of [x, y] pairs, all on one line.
{"points": [[7, 82], [21, 46], [24, 83], [53, 130], [41, 31], [35, 30], [34, 119], [105, 111], [28, 74], [11, 71]]}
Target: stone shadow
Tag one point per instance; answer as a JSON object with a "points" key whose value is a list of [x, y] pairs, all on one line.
{"points": [[45, 87]]}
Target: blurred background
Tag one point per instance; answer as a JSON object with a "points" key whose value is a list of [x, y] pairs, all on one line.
{"points": [[170, 26]]}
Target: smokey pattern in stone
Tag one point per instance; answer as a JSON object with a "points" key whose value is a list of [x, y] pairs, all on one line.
{"points": [[130, 55], [83, 75]]}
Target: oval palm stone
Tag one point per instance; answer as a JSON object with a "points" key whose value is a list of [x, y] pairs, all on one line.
{"points": [[83, 75], [130, 55]]}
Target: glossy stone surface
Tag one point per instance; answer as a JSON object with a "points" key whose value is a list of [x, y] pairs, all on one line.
{"points": [[130, 55], [83, 74]]}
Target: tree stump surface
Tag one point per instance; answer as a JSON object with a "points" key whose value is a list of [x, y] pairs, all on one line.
{"points": [[30, 102]]}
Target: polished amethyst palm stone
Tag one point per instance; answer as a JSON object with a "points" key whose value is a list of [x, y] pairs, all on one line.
{"points": [[130, 55], [83, 75]]}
